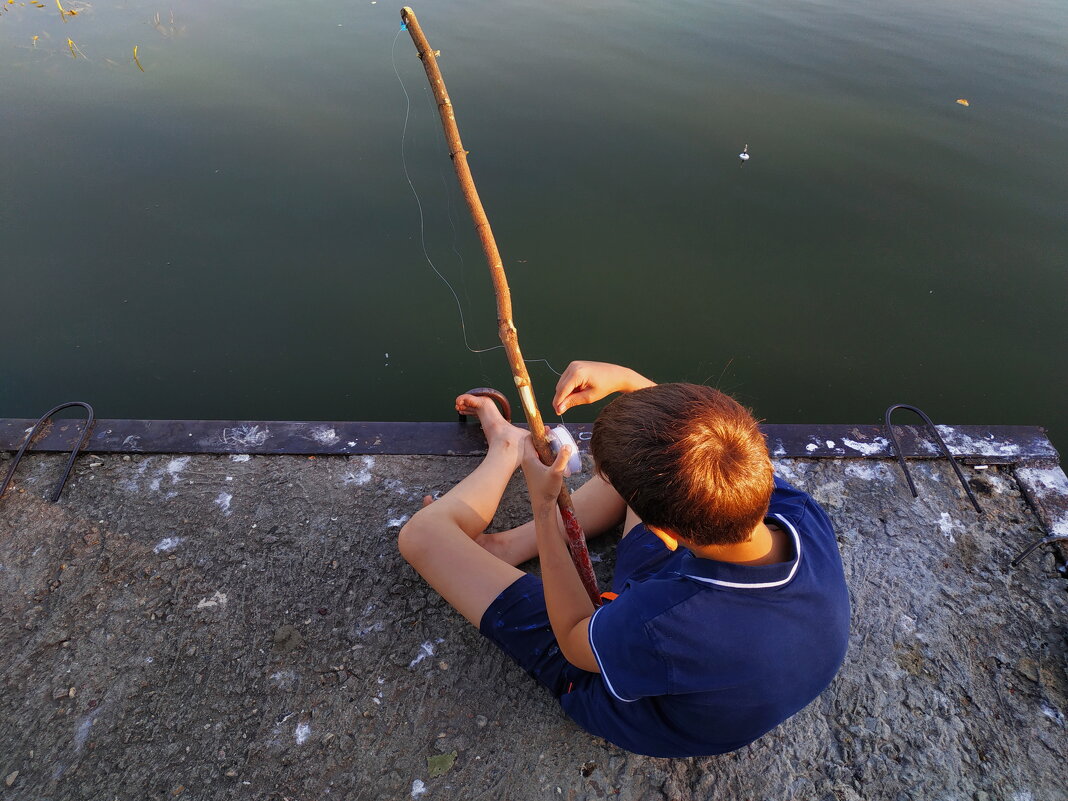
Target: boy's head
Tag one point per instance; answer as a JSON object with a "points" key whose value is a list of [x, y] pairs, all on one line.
{"points": [[688, 459]]}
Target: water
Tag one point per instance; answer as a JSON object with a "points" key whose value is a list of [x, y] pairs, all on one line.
{"points": [[229, 234]]}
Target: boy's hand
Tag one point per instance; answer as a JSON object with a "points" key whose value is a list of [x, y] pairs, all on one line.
{"points": [[543, 482], [587, 382]]}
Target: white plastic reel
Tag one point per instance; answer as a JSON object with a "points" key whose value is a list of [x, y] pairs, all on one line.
{"points": [[558, 438]]}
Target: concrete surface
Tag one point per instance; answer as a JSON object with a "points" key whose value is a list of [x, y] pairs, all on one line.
{"points": [[210, 627]]}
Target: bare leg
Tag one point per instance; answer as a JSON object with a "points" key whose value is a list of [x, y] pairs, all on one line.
{"points": [[597, 506], [439, 540]]}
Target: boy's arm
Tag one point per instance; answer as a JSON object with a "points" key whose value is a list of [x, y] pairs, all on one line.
{"points": [[566, 601], [586, 382]]}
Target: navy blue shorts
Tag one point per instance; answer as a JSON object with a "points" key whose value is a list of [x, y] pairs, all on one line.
{"points": [[518, 623]]}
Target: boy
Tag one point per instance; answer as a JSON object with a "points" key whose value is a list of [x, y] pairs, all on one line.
{"points": [[732, 612]]}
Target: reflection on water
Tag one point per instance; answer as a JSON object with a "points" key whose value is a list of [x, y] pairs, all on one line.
{"points": [[205, 212]]}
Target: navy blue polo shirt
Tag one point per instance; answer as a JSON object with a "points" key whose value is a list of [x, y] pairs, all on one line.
{"points": [[700, 657]]}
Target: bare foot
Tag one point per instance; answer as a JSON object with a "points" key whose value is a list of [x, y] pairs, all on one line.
{"points": [[501, 436]]}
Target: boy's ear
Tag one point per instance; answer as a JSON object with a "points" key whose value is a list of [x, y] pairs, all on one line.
{"points": [[671, 542]]}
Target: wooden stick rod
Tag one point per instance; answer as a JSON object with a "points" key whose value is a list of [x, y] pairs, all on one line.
{"points": [[505, 326]]}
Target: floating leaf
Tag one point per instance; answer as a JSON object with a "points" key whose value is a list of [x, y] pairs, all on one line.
{"points": [[963, 102], [440, 764], [138, 63]]}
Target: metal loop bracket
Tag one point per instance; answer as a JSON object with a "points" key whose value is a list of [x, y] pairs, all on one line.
{"points": [[74, 454], [941, 444]]}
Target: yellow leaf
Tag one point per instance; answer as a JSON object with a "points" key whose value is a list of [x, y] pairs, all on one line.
{"points": [[963, 102], [136, 61]]}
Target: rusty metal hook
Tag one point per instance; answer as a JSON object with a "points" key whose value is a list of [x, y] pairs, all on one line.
{"points": [[74, 454], [1047, 540], [941, 444]]}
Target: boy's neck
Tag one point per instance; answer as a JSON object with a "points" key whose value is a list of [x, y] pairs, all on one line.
{"points": [[765, 546]]}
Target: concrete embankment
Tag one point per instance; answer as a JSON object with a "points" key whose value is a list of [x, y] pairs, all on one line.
{"points": [[213, 626]]}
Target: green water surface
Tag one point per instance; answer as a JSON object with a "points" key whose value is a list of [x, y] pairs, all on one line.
{"points": [[230, 233]]}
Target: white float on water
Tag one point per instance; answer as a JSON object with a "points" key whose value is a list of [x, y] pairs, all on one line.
{"points": [[744, 155]]}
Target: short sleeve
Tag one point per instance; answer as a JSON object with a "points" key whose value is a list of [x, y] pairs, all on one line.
{"points": [[632, 666]]}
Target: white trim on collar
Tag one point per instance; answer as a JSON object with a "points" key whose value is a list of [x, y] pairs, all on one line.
{"points": [[766, 584]]}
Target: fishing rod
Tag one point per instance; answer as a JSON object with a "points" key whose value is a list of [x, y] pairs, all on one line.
{"points": [[506, 329]]}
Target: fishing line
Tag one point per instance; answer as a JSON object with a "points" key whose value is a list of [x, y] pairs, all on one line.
{"points": [[419, 205], [422, 224], [455, 234]]}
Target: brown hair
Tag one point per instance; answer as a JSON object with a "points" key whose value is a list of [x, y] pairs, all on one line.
{"points": [[686, 458]]}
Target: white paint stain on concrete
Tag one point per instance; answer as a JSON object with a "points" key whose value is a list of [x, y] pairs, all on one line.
{"points": [[397, 522], [418, 788], [223, 502], [215, 601], [302, 733], [425, 650], [873, 448], [947, 525], [246, 436], [81, 734], [907, 624], [363, 631], [167, 544], [240, 457], [130, 484], [1051, 480], [1052, 713], [960, 443], [868, 471], [830, 443], [399, 487], [363, 476], [286, 680], [175, 467], [324, 435]]}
